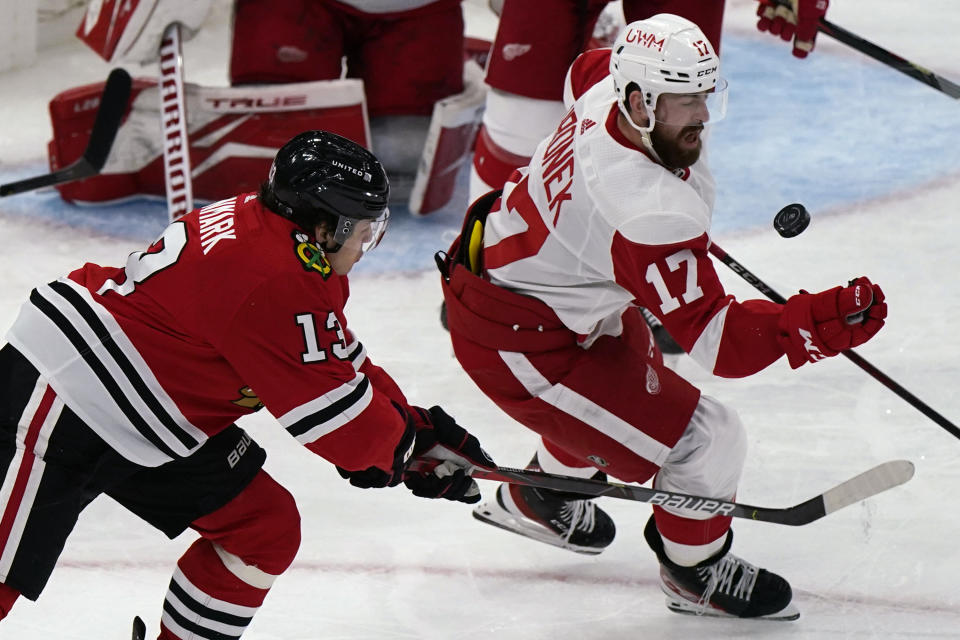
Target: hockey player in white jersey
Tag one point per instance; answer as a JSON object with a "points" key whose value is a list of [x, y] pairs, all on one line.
{"points": [[542, 290]]}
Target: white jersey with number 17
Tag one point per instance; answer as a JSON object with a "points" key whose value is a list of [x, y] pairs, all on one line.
{"points": [[594, 225]]}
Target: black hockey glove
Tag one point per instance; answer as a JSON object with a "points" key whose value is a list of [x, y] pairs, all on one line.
{"points": [[440, 439], [375, 477]]}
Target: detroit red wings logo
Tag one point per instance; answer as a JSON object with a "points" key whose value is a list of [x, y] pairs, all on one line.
{"points": [[653, 381]]}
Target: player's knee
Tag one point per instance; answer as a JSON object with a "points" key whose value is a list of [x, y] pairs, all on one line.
{"points": [[261, 526], [726, 447], [709, 458], [281, 527]]}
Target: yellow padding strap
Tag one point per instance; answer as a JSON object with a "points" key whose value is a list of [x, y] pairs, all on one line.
{"points": [[474, 244]]}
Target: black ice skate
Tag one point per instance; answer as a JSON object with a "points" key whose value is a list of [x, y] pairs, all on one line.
{"points": [[562, 519], [722, 585]]}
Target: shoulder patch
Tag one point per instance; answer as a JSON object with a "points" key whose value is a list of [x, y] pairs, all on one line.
{"points": [[311, 257]]}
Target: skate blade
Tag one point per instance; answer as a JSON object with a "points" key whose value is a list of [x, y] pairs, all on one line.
{"points": [[788, 613], [491, 513]]}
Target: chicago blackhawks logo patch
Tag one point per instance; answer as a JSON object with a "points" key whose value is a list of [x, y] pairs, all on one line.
{"points": [[310, 255]]}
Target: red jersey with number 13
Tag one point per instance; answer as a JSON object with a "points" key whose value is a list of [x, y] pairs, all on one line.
{"points": [[233, 306]]}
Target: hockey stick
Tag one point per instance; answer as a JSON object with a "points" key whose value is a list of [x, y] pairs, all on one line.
{"points": [[173, 112], [890, 59], [869, 483], [113, 105], [850, 354]]}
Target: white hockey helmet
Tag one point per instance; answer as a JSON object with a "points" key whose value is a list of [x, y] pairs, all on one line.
{"points": [[666, 54]]}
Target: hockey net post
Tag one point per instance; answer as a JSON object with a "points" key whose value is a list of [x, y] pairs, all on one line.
{"points": [[110, 112]]}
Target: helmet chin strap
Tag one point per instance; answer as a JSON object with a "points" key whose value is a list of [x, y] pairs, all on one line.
{"points": [[644, 131]]}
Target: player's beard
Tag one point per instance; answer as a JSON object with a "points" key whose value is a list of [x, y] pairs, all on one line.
{"points": [[668, 146]]}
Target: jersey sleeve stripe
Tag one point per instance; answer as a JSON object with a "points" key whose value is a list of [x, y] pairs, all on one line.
{"points": [[357, 354], [707, 348], [329, 412]]}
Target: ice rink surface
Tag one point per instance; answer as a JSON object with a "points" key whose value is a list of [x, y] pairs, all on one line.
{"points": [[873, 154]]}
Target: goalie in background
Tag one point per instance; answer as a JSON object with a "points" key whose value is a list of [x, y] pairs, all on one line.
{"points": [[370, 71], [129, 382]]}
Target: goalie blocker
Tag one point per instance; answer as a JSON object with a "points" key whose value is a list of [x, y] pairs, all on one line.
{"points": [[234, 134]]}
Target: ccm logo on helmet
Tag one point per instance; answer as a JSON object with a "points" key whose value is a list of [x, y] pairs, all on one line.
{"points": [[648, 40], [357, 172]]}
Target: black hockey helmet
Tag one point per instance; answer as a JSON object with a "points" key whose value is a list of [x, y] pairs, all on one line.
{"points": [[320, 177]]}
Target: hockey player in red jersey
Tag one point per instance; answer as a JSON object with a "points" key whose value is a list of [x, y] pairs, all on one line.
{"points": [[128, 382], [542, 290]]}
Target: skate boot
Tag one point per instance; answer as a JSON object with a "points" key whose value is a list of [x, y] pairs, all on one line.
{"points": [[562, 519], [722, 585]]}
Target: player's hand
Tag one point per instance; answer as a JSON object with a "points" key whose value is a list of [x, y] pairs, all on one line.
{"points": [[819, 325], [793, 19], [456, 452]]}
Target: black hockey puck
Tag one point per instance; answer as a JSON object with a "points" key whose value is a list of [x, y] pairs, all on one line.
{"points": [[791, 220]]}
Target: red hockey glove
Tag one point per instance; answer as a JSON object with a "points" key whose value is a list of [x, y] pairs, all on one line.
{"points": [[796, 19], [441, 439], [815, 326]]}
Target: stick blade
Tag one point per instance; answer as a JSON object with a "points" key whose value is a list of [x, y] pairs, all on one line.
{"points": [[869, 483], [113, 104]]}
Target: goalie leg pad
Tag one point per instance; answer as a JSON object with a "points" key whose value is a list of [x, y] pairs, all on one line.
{"points": [[234, 135], [449, 141]]}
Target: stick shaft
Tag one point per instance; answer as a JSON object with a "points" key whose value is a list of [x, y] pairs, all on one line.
{"points": [[890, 59], [869, 483], [850, 354], [113, 106]]}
